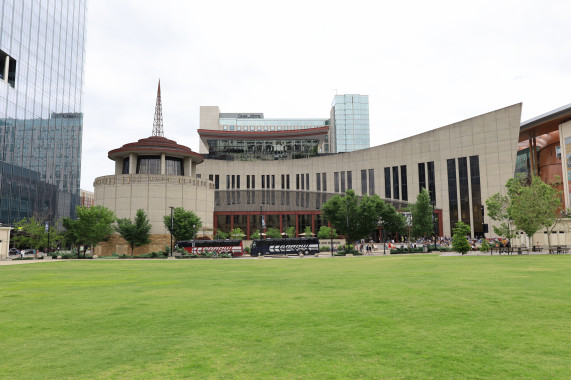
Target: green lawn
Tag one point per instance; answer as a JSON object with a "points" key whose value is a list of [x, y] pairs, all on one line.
{"points": [[363, 317]]}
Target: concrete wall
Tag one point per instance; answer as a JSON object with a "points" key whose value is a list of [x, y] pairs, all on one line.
{"points": [[4, 242], [492, 136], [125, 194]]}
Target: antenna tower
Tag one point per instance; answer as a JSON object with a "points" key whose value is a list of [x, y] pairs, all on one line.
{"points": [[158, 123]]}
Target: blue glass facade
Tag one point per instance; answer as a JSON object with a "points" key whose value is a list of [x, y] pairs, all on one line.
{"points": [[350, 114], [42, 52]]}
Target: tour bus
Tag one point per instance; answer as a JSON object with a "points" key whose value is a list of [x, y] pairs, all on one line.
{"points": [[287, 246], [230, 246]]}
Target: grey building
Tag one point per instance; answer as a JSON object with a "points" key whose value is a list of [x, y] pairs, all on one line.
{"points": [[42, 52]]}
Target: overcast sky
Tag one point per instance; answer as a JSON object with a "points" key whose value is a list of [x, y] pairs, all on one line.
{"points": [[424, 64]]}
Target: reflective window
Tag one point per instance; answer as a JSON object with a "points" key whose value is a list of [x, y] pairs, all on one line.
{"points": [[149, 165], [464, 192], [388, 183], [452, 192], [371, 181], [363, 182], [396, 189], [403, 180]]}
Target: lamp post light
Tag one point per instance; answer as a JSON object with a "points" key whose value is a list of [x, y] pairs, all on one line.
{"points": [[193, 236], [172, 225], [331, 231], [47, 229], [433, 220]]}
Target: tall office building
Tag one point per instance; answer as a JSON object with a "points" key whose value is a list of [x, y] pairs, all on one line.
{"points": [[350, 123], [42, 52]]}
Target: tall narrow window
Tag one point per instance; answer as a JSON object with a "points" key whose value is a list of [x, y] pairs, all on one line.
{"points": [[324, 179], [403, 182], [464, 191], [125, 166], [396, 189], [307, 181], [478, 226], [431, 184], [263, 181], [336, 181], [342, 182], [273, 181], [297, 181], [233, 181], [217, 181], [287, 181], [253, 181], [228, 181], [283, 182], [318, 181], [388, 183], [452, 192], [421, 177], [371, 181], [363, 182], [349, 180], [248, 181], [237, 181], [302, 182]]}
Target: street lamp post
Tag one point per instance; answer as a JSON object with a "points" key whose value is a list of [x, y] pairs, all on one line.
{"points": [[433, 220], [193, 236], [172, 225]]}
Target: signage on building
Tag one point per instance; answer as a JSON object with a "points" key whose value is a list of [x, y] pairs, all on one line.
{"points": [[250, 116]]}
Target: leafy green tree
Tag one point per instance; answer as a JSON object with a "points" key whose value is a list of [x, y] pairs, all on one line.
{"points": [[237, 233], [353, 218], [221, 235], [185, 224], [307, 231], [460, 242], [422, 223], [534, 206], [327, 233], [135, 234], [30, 233], [391, 220], [273, 233], [255, 235], [290, 232], [92, 226], [497, 206]]}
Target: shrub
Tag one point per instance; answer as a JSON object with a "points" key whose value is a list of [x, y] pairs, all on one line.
{"points": [[247, 250], [324, 248], [485, 247]]}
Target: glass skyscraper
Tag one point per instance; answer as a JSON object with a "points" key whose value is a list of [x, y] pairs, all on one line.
{"points": [[350, 123], [42, 52]]}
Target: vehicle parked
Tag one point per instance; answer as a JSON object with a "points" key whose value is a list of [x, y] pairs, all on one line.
{"points": [[229, 246], [286, 246], [14, 252]]}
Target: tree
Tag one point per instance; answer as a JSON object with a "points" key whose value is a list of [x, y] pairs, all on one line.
{"points": [[497, 206], [185, 224], [92, 226], [31, 233], [73, 233], [290, 231], [273, 233], [221, 235], [307, 231], [460, 242], [422, 223], [353, 218], [327, 233], [237, 233], [255, 235], [535, 206], [391, 220], [135, 234]]}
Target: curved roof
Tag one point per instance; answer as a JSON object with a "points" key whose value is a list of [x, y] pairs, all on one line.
{"points": [[155, 145]]}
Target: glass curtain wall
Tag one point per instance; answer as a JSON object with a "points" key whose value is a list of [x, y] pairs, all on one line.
{"points": [[41, 120]]}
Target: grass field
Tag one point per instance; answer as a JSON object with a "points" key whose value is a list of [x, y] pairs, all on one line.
{"points": [[363, 317]]}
